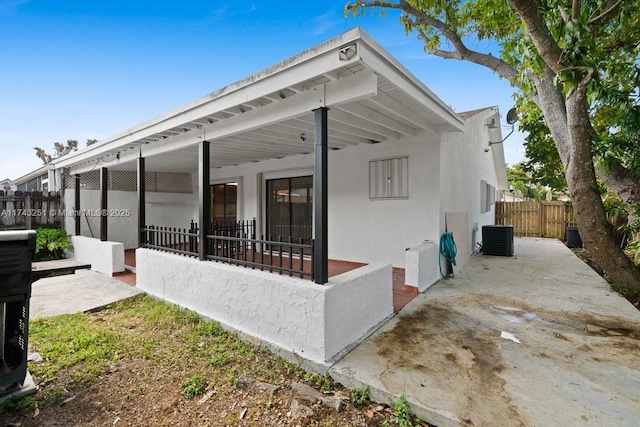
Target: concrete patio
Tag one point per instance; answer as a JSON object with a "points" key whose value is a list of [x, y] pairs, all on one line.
{"points": [[575, 363]]}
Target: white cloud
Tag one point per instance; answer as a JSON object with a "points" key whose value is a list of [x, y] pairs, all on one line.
{"points": [[9, 6], [219, 14], [326, 21]]}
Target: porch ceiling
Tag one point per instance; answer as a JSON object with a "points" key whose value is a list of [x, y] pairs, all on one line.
{"points": [[370, 97]]}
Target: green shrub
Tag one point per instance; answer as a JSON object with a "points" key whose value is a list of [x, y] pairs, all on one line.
{"points": [[51, 243], [402, 412], [194, 386], [359, 396]]}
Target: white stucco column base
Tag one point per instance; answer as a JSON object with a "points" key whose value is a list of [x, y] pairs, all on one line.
{"points": [[421, 265], [104, 257], [315, 322]]}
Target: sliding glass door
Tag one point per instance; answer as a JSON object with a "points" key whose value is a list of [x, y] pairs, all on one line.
{"points": [[224, 203], [290, 209]]}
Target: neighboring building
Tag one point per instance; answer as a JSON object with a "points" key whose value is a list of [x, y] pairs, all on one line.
{"points": [[400, 168], [512, 196], [7, 185], [37, 180]]}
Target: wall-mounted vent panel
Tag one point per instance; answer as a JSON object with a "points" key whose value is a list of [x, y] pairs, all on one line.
{"points": [[497, 240]]}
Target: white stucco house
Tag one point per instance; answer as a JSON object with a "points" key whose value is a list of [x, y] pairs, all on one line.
{"points": [[336, 153]]}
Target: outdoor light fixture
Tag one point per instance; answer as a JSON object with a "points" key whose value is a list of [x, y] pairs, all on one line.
{"points": [[492, 127], [347, 52]]}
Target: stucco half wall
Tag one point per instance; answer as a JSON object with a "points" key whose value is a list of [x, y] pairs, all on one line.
{"points": [[104, 257], [316, 322]]}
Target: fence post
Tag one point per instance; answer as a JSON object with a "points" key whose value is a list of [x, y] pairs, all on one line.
{"points": [[27, 208], [541, 212]]}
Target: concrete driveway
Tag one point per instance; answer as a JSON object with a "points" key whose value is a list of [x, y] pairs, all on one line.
{"points": [[537, 339]]}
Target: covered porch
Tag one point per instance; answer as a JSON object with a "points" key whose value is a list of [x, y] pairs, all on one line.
{"points": [[293, 145]]}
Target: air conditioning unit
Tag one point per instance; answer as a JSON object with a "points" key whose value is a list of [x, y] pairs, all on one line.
{"points": [[497, 240]]}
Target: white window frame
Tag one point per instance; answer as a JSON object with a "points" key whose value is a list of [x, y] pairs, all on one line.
{"points": [[487, 196]]}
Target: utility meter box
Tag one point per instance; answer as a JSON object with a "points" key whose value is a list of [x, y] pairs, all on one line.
{"points": [[17, 249]]}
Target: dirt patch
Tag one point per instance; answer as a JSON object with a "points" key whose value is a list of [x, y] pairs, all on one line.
{"points": [[616, 340], [579, 322], [153, 349], [466, 357]]}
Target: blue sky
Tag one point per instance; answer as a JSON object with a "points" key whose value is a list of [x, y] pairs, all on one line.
{"points": [[79, 69]]}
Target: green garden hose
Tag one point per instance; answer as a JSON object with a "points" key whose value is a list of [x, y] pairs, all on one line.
{"points": [[448, 250]]}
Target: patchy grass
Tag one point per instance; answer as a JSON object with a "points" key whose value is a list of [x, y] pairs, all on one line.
{"points": [[145, 362], [360, 396], [626, 291]]}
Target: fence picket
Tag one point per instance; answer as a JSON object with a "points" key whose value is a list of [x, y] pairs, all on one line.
{"points": [[536, 218]]}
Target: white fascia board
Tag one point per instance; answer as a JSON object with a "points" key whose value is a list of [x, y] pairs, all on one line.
{"points": [[322, 59], [353, 88], [497, 150], [379, 60], [42, 170]]}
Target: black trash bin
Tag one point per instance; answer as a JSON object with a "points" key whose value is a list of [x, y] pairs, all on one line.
{"points": [[573, 238], [17, 249]]}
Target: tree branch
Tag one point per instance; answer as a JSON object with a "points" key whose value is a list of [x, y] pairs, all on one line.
{"points": [[446, 54], [604, 16], [537, 29], [575, 9], [620, 181], [462, 52]]}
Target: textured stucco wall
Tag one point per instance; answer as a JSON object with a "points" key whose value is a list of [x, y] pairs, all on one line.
{"points": [[294, 314], [464, 164], [104, 257], [355, 302], [422, 268]]}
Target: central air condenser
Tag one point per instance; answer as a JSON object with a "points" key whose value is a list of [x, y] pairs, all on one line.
{"points": [[497, 240]]}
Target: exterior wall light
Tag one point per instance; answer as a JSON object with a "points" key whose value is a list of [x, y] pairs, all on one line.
{"points": [[348, 52]]}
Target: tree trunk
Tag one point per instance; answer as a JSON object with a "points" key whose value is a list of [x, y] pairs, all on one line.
{"points": [[568, 121], [619, 181]]}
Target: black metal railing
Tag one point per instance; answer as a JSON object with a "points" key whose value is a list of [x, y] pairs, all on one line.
{"points": [[232, 228], [273, 255], [236, 244], [181, 241]]}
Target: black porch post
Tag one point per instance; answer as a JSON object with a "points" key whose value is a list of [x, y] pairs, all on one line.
{"points": [[204, 194], [320, 187], [141, 203], [104, 176], [76, 203]]}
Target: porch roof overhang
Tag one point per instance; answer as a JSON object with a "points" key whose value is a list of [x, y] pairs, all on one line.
{"points": [[40, 172], [372, 98]]}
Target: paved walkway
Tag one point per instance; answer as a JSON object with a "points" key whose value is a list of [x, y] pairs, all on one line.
{"points": [[568, 355], [83, 291]]}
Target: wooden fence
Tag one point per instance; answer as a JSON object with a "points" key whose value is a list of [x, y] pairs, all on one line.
{"points": [[536, 219], [26, 210]]}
